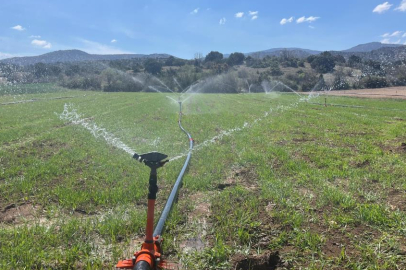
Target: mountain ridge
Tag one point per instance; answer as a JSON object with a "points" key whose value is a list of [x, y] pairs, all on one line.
{"points": [[75, 56], [81, 56]]}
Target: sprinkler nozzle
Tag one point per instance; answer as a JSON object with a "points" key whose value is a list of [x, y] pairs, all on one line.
{"points": [[153, 159]]}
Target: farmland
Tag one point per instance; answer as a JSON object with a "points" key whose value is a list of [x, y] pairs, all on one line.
{"points": [[275, 180]]}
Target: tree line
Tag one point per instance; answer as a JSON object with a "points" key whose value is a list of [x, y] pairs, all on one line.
{"points": [[301, 74]]}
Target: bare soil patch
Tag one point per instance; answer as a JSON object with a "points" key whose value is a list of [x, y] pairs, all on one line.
{"points": [[389, 92], [397, 200], [394, 146], [267, 261], [15, 214], [245, 176]]}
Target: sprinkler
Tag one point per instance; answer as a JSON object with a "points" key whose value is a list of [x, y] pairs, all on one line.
{"points": [[180, 109], [149, 257]]}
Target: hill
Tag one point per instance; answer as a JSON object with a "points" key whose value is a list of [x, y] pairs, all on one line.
{"points": [[74, 56], [303, 53], [384, 54], [372, 46]]}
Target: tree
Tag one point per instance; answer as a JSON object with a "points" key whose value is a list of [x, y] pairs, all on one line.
{"points": [[55, 70], [354, 60], [72, 70], [169, 61], [311, 58], [40, 70], [173, 61], [214, 57], [152, 66], [198, 56], [236, 59], [339, 59], [323, 63]]}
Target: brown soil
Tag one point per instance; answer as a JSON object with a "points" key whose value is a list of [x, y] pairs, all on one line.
{"points": [[245, 176], [397, 200], [390, 92], [18, 213], [202, 205], [267, 261], [394, 146]]}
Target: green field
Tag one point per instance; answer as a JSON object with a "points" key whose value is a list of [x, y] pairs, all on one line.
{"points": [[273, 179]]}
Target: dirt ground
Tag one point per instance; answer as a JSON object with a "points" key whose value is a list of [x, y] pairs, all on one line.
{"points": [[390, 92]]}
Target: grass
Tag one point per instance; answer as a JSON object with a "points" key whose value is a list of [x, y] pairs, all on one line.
{"points": [[323, 186], [17, 90]]}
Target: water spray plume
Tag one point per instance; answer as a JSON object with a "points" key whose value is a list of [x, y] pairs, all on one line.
{"points": [[69, 114], [174, 100], [176, 81], [164, 85]]}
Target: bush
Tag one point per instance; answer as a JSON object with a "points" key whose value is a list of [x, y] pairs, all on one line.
{"points": [[276, 71], [290, 62], [117, 81], [225, 83], [400, 81], [90, 82], [375, 82], [340, 84]]}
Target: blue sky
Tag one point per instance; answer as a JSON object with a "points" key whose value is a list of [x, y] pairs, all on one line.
{"points": [[183, 28]]}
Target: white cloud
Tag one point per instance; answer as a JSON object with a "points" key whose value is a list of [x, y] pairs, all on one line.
{"points": [[285, 21], [18, 28], [397, 42], [311, 27], [41, 43], [254, 17], [97, 48], [222, 21], [113, 41], [402, 6], [195, 11], [382, 7], [301, 20], [312, 19], [404, 35], [394, 34], [239, 14], [308, 19], [5, 55], [385, 41], [32, 36], [253, 13]]}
